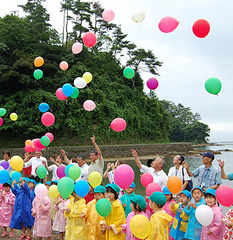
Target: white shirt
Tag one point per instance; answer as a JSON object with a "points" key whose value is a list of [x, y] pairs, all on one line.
{"points": [[84, 173], [172, 173], [35, 162], [159, 177], [97, 166], [9, 169], [53, 168], [111, 177]]}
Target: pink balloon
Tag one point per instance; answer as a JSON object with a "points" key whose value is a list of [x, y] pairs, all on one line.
{"points": [[146, 179], [168, 24], [124, 176], [64, 65], [60, 95], [118, 124], [152, 83], [50, 136], [108, 15], [77, 48], [89, 105], [153, 187], [48, 119], [38, 146], [224, 195], [41, 191], [61, 171], [1, 121], [89, 39], [29, 149]]}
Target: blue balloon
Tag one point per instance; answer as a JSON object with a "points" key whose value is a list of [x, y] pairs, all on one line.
{"points": [[81, 188], [4, 176], [67, 89], [43, 107], [16, 176], [67, 169]]}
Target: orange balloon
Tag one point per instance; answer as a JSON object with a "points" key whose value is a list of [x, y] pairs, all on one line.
{"points": [[174, 185], [38, 62], [28, 142], [64, 65]]}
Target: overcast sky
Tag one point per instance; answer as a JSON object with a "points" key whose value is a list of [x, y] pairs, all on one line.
{"points": [[188, 61]]}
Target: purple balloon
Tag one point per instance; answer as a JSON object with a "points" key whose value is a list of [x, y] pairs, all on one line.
{"points": [[152, 83], [61, 171], [5, 164]]}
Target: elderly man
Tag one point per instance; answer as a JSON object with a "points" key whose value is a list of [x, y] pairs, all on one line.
{"points": [[156, 169]]}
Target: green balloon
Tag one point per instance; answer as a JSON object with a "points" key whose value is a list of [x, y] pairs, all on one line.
{"points": [[74, 172], [41, 172], [2, 112], [65, 187], [103, 207], [213, 85], [129, 72], [45, 141], [38, 74], [75, 93]]}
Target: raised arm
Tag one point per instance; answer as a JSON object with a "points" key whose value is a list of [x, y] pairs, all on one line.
{"points": [[54, 162], [186, 166], [63, 153], [221, 165], [107, 170], [136, 157], [96, 147]]}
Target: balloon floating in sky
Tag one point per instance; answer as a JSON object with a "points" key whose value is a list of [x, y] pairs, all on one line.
{"points": [[1, 121], [213, 85], [67, 89], [38, 62], [29, 149], [108, 15], [168, 24], [89, 39], [80, 82], [138, 16], [152, 83], [77, 48], [60, 95], [87, 76], [75, 93], [129, 72], [13, 116], [43, 107], [201, 28], [50, 136], [2, 112], [89, 105], [48, 119], [118, 124], [45, 141], [38, 74], [63, 65]]}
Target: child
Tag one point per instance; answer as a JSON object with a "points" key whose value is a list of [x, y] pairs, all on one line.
{"points": [[160, 219], [194, 227], [111, 225], [127, 197], [216, 229], [31, 185], [7, 201], [138, 205], [22, 217], [75, 226], [180, 222], [228, 221], [42, 214], [148, 210]]}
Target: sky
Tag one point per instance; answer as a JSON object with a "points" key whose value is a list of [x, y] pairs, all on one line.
{"points": [[188, 61]]}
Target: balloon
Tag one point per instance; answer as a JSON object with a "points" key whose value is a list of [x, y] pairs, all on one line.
{"points": [[65, 187], [224, 195], [38, 74], [5, 164], [75, 172], [77, 48], [45, 141], [146, 179], [201, 28], [81, 188], [67, 169], [174, 184], [124, 176], [50, 136], [87, 76], [152, 83], [67, 89], [41, 172], [204, 215], [140, 226], [37, 145], [89, 39], [213, 85], [48, 119], [61, 171], [13, 116], [103, 207], [64, 65], [1, 121], [29, 149], [38, 62], [118, 124], [41, 191], [108, 15], [153, 187], [168, 24], [53, 191], [95, 179], [4, 176], [60, 95], [75, 93], [2, 112], [138, 16], [89, 105], [17, 163], [80, 83], [28, 142], [16, 176], [129, 72], [43, 107]]}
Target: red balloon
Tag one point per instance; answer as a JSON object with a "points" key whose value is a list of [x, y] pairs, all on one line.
{"points": [[118, 124], [201, 28], [48, 119], [224, 195], [146, 179], [89, 39], [37, 145], [50, 136], [153, 187], [60, 95], [29, 149]]}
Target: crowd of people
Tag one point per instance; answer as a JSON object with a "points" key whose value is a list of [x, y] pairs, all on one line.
{"points": [[171, 216]]}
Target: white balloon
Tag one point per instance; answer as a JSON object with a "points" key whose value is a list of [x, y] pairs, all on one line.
{"points": [[89, 105], [138, 16], [204, 215], [80, 82]]}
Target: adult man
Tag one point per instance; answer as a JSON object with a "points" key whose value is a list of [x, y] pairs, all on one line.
{"points": [[7, 157], [208, 175], [156, 169]]}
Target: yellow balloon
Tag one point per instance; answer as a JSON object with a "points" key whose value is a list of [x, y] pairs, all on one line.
{"points": [[95, 179], [13, 116], [140, 226], [16, 163], [87, 76], [53, 191]]}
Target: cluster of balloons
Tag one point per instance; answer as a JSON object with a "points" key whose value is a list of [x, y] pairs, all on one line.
{"points": [[38, 62]]}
